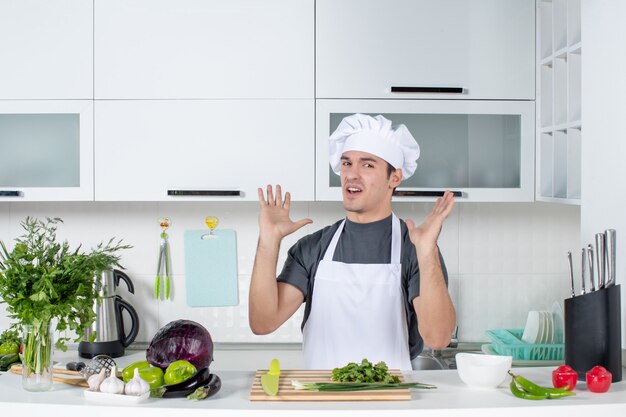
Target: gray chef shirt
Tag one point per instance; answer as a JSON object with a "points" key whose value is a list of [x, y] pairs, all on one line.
{"points": [[364, 243]]}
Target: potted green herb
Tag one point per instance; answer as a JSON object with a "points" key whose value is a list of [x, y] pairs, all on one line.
{"points": [[43, 283]]}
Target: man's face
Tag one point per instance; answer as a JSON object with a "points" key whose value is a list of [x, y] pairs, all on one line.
{"points": [[366, 184]]}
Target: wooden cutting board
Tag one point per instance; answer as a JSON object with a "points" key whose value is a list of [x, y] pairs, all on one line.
{"points": [[286, 392], [68, 377]]}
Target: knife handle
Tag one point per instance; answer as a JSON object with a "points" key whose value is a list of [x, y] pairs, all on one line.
{"points": [[600, 259], [590, 261], [610, 256]]}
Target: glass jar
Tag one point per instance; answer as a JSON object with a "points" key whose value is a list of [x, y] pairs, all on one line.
{"points": [[37, 356]]}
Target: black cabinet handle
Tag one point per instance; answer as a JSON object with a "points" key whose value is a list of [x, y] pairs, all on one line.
{"points": [[5, 193], [203, 193], [401, 89], [409, 193]]}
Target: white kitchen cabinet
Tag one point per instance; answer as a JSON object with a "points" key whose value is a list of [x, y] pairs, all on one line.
{"points": [[203, 150], [173, 49], [366, 48], [482, 149], [46, 150], [559, 121], [46, 49]]}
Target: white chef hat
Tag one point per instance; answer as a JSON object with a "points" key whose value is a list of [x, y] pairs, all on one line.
{"points": [[375, 135]]}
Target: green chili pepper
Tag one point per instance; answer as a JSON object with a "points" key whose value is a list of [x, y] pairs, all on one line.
{"points": [[523, 394], [530, 389]]}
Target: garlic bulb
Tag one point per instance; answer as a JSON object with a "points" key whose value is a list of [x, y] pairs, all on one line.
{"points": [[136, 386], [95, 380], [112, 385]]}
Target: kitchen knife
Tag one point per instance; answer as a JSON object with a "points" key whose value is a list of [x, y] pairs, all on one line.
{"points": [[600, 259], [571, 272], [590, 259], [582, 270], [610, 256], [270, 380]]}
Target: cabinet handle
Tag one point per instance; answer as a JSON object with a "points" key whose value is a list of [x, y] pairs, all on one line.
{"points": [[4, 193], [203, 193], [408, 193], [400, 89]]}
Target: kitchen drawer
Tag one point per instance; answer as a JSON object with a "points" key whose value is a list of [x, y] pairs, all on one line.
{"points": [[147, 149], [483, 149]]}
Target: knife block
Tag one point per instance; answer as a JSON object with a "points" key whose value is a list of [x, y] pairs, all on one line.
{"points": [[593, 332]]}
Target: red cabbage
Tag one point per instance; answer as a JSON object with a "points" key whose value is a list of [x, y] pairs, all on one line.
{"points": [[181, 339]]}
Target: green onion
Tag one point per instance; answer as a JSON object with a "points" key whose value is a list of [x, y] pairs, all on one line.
{"points": [[356, 386]]}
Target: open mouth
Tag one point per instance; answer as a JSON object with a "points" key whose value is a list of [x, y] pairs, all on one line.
{"points": [[353, 189]]}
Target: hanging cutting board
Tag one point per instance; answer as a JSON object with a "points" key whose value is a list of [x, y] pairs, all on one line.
{"points": [[211, 268], [286, 392]]}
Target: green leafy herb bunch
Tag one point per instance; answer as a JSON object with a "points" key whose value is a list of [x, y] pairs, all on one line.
{"points": [[42, 280]]}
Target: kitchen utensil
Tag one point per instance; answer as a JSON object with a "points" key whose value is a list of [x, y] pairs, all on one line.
{"points": [[96, 364], [110, 334], [286, 392], [509, 342], [164, 262], [582, 270], [211, 268], [571, 272], [590, 262], [593, 332], [601, 259], [483, 371], [68, 377], [611, 237]]}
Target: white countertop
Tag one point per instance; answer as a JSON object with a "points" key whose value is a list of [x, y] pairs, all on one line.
{"points": [[451, 398]]}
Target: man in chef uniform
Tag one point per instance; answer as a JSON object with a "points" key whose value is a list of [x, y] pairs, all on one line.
{"points": [[374, 286]]}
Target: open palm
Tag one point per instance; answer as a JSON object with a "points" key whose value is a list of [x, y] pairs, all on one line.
{"points": [[425, 236], [274, 220]]}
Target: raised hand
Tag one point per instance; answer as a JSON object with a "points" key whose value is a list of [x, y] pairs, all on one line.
{"points": [[425, 236], [274, 221]]}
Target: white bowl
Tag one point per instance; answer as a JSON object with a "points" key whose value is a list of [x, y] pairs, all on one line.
{"points": [[483, 371]]}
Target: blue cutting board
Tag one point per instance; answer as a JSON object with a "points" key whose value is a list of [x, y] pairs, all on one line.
{"points": [[211, 268]]}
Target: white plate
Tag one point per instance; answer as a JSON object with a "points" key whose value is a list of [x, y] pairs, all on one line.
{"points": [[488, 350], [559, 324], [533, 328], [115, 398]]}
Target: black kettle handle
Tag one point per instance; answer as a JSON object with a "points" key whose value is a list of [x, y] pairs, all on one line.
{"points": [[117, 274], [120, 305]]}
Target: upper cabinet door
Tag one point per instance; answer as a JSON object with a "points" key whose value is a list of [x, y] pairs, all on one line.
{"points": [[484, 49], [204, 49], [46, 150], [46, 49], [208, 150]]}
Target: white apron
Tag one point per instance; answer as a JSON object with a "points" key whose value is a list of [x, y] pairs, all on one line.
{"points": [[357, 312]]}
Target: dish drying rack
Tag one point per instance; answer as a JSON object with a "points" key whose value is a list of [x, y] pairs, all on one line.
{"points": [[509, 342]]}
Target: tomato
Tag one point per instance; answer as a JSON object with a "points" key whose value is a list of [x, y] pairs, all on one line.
{"points": [[598, 379], [563, 376], [179, 371]]}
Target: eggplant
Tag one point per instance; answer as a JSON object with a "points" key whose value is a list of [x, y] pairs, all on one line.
{"points": [[182, 389], [208, 390]]}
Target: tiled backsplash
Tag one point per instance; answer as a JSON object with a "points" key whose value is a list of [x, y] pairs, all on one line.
{"points": [[503, 259]]}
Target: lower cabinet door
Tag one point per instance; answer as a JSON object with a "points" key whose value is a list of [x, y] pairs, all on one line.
{"points": [[194, 150]]}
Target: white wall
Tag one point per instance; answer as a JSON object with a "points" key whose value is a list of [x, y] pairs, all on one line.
{"points": [[604, 141], [503, 259]]}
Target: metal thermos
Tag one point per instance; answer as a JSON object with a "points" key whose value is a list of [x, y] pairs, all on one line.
{"points": [[108, 327]]}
